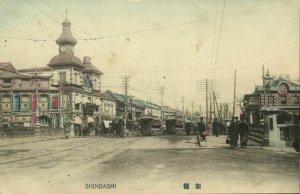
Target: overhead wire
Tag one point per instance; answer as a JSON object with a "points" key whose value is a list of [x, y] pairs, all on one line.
{"points": [[219, 38], [164, 27]]}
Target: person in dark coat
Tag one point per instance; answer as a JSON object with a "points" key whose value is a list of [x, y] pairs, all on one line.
{"points": [[233, 132], [244, 131], [215, 126], [201, 128]]}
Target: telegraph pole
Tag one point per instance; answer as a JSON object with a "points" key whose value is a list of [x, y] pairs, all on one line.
{"points": [[192, 111], [207, 86], [162, 92], [35, 75], [182, 100], [125, 81], [233, 112]]}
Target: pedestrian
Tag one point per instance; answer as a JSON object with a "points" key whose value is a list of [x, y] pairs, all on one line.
{"points": [[244, 131], [233, 132], [215, 126], [201, 129]]}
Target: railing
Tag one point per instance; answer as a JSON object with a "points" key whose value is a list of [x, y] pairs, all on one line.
{"points": [[289, 133], [256, 134]]}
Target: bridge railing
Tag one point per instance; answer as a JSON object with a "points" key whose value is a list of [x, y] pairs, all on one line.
{"points": [[256, 133]]}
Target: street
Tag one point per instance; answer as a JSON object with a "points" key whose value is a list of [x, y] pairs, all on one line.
{"points": [[151, 164]]}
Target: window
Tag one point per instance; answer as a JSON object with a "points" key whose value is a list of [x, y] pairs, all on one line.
{"points": [[76, 78], [62, 78], [77, 106], [44, 120], [25, 106], [16, 102], [44, 103], [6, 103], [7, 80]]}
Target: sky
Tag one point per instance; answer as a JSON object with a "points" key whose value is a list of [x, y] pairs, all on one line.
{"points": [[157, 43]]}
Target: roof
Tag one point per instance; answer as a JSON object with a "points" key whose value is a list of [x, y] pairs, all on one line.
{"points": [[7, 70], [135, 102], [66, 36], [89, 67], [28, 70], [7, 66], [107, 97], [274, 86], [65, 59]]}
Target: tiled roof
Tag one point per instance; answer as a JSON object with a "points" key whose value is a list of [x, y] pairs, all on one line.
{"points": [[136, 102]]}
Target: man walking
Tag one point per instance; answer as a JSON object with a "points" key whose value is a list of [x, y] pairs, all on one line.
{"points": [[244, 131], [233, 132], [215, 126]]}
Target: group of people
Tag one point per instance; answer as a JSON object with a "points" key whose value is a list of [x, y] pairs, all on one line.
{"points": [[238, 130]]}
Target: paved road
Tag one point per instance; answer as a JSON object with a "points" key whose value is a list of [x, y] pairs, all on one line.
{"points": [[144, 165]]}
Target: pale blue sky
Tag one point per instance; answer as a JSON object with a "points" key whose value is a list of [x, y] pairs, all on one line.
{"points": [[182, 49]]}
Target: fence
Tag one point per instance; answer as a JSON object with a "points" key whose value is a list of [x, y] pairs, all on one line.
{"points": [[256, 134]]}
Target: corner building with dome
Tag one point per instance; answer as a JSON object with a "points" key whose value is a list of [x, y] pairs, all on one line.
{"points": [[73, 96]]}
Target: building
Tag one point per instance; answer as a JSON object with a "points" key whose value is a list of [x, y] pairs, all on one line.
{"points": [[136, 108], [19, 99], [278, 92], [68, 90]]}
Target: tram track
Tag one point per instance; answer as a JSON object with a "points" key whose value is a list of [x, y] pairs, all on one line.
{"points": [[56, 152]]}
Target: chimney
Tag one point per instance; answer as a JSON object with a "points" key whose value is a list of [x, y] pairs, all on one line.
{"points": [[87, 60]]}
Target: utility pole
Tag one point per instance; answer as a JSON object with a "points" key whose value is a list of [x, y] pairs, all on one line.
{"points": [[192, 111], [150, 106], [125, 80], [35, 75], [182, 100], [162, 92], [210, 107], [207, 86], [218, 110], [234, 88]]}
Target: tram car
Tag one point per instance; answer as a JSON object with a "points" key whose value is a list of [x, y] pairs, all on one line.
{"points": [[150, 126], [174, 126]]}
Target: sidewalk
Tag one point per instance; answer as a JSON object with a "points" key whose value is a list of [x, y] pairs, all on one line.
{"points": [[215, 142], [21, 140]]}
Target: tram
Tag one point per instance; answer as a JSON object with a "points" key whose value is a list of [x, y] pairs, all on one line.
{"points": [[174, 125], [150, 126]]}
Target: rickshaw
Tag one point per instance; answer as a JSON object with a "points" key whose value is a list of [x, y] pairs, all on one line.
{"points": [[150, 126]]}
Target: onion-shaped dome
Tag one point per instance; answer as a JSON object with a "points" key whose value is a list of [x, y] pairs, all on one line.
{"points": [[66, 36]]}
